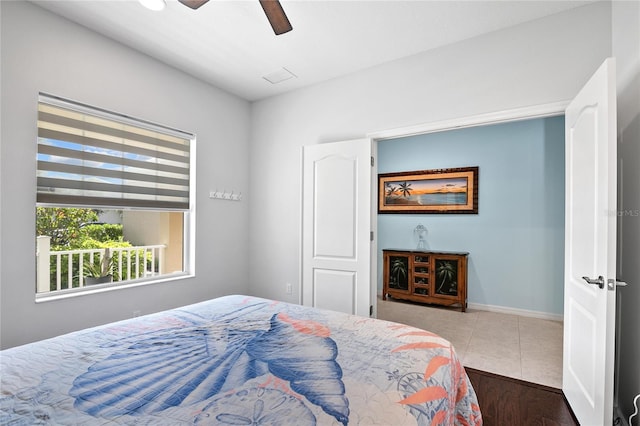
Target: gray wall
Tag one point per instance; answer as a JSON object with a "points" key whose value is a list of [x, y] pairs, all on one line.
{"points": [[43, 52], [626, 49], [516, 241]]}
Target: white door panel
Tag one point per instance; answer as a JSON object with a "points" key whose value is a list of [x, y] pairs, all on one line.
{"points": [[336, 222], [334, 207], [334, 290], [590, 249]]}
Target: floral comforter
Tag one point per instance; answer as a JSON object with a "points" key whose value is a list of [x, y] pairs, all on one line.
{"points": [[238, 360]]}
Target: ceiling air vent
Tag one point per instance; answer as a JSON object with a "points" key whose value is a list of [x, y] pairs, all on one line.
{"points": [[279, 76]]}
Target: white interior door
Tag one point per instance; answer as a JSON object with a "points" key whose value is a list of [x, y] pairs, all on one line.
{"points": [[590, 249], [336, 224]]}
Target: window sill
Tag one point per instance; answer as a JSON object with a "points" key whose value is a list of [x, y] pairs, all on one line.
{"points": [[101, 288]]}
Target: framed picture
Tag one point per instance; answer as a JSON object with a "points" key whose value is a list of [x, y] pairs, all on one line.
{"points": [[429, 191]]}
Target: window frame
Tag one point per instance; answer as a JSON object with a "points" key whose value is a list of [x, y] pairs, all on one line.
{"points": [[189, 215]]}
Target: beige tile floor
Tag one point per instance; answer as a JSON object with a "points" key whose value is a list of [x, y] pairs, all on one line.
{"points": [[521, 347]]}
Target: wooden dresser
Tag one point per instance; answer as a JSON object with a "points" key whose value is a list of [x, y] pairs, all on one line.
{"points": [[436, 277]]}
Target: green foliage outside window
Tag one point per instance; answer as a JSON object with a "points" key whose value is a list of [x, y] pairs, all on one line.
{"points": [[74, 229], [63, 225]]}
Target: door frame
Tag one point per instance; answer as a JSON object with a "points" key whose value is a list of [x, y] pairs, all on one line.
{"points": [[485, 119]]}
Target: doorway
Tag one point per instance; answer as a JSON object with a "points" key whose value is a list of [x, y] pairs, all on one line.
{"points": [[520, 225], [516, 241]]}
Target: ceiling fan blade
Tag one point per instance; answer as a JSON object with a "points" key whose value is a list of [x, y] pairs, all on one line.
{"points": [[193, 4], [276, 16]]}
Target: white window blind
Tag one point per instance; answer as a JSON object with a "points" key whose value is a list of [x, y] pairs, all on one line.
{"points": [[89, 157]]}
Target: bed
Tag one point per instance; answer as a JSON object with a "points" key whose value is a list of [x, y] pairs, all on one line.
{"points": [[238, 360]]}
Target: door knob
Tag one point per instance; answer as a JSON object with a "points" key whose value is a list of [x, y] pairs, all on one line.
{"points": [[598, 281]]}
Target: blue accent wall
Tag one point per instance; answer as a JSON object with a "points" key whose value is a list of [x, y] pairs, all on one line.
{"points": [[516, 241]]}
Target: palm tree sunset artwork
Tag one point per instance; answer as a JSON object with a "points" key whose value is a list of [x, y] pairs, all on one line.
{"points": [[443, 192], [429, 191]]}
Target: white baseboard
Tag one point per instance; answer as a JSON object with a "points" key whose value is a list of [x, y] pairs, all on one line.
{"points": [[515, 311]]}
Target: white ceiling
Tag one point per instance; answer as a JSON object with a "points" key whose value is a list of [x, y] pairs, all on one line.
{"points": [[230, 44]]}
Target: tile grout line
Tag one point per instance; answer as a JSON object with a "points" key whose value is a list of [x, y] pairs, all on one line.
{"points": [[474, 324], [466, 349]]}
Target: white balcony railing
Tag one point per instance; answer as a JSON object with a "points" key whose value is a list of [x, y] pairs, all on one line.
{"points": [[130, 263]]}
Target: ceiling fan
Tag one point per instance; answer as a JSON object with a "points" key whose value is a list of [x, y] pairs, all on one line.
{"points": [[272, 8]]}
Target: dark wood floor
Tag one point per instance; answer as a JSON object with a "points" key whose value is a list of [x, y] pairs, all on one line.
{"points": [[506, 401]]}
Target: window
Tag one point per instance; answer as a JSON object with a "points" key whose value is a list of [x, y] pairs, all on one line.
{"points": [[114, 202]]}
